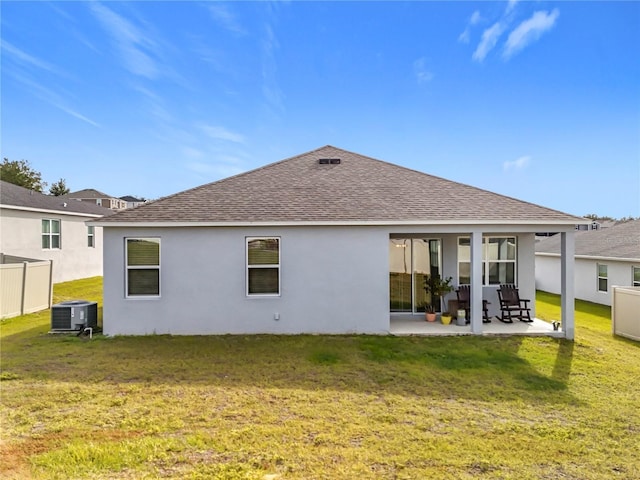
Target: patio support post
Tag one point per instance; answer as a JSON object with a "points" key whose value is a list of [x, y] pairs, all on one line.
{"points": [[476, 282], [567, 293]]}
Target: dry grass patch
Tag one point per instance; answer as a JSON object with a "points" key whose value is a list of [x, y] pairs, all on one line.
{"points": [[300, 407]]}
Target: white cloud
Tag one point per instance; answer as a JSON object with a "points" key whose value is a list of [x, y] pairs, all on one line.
{"points": [[192, 152], [517, 164], [135, 47], [223, 16], [489, 39], [529, 31], [423, 75], [474, 20], [23, 57], [221, 133], [511, 4], [52, 98], [155, 104], [270, 87]]}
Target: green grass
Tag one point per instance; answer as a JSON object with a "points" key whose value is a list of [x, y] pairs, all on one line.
{"points": [[318, 407]]}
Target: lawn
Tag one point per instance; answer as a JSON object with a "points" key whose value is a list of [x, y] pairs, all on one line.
{"points": [[318, 407]]}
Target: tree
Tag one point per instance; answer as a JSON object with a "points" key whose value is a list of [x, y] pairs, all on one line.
{"points": [[19, 172], [59, 188]]}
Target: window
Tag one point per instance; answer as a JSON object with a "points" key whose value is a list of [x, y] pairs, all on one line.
{"points": [[143, 267], [263, 266], [602, 278], [635, 280], [500, 257], [50, 233], [464, 261], [91, 237], [499, 260]]}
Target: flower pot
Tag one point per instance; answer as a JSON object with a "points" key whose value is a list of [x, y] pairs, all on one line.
{"points": [[431, 317], [445, 319]]}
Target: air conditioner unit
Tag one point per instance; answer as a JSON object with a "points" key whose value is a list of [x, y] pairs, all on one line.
{"points": [[74, 314]]}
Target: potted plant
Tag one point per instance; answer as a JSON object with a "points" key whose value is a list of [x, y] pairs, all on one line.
{"points": [[430, 313], [445, 318], [436, 287]]}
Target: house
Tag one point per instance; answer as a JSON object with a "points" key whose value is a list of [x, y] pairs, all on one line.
{"points": [[132, 202], [592, 226], [90, 195], [603, 258], [45, 227], [329, 241]]}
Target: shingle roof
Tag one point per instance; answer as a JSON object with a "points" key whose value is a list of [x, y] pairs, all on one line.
{"points": [[129, 198], [87, 193], [358, 189], [620, 241], [13, 195]]}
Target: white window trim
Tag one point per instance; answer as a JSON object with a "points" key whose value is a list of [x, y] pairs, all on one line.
{"points": [[486, 261], [91, 234], [142, 267], [598, 278], [247, 266], [51, 234], [633, 276]]}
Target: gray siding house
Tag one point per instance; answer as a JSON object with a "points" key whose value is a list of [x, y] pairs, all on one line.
{"points": [[96, 197], [329, 241], [604, 258], [45, 227]]}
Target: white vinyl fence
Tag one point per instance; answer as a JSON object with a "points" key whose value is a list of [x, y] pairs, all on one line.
{"points": [[625, 312], [26, 285]]}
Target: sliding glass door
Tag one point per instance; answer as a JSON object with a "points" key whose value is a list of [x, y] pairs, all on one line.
{"points": [[410, 261], [400, 275]]}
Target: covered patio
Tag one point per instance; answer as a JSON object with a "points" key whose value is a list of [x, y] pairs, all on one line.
{"points": [[401, 325], [483, 258]]}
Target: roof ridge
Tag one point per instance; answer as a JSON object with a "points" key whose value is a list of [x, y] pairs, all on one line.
{"points": [[364, 188], [237, 175], [454, 182]]}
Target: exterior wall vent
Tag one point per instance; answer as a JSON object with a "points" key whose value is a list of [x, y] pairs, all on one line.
{"points": [[329, 161]]}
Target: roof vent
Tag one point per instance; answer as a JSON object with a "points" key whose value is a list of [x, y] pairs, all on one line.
{"points": [[329, 161]]}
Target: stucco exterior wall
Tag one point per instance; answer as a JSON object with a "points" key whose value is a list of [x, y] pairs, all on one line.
{"points": [[586, 276], [333, 280], [21, 235]]}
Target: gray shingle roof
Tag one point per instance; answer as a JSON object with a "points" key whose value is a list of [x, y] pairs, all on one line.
{"points": [[13, 195], [359, 189], [87, 193], [620, 241]]}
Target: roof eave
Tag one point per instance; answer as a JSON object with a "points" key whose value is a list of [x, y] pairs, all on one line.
{"points": [[593, 257], [553, 223], [45, 210]]}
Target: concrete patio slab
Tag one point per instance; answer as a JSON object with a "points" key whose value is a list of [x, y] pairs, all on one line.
{"points": [[417, 325]]}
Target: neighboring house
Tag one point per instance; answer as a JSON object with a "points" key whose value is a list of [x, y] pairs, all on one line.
{"points": [[603, 258], [94, 196], [132, 202], [45, 227], [324, 242], [591, 226]]}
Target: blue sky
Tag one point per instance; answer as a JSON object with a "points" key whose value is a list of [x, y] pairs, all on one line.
{"points": [[535, 100]]}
